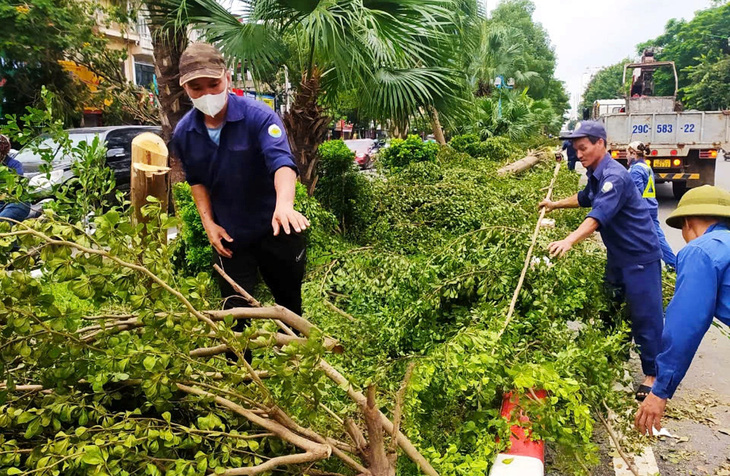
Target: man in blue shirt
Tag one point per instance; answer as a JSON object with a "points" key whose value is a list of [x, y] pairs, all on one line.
{"points": [[570, 152], [242, 173], [702, 292], [633, 267], [11, 210]]}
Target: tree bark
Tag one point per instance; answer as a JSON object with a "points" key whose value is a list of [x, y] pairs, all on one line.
{"points": [[306, 125], [168, 45], [438, 132], [149, 174]]}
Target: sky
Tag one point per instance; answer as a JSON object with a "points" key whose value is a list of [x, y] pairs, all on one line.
{"points": [[589, 34]]}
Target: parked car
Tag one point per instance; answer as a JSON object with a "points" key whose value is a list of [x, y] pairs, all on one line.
{"points": [[118, 140], [365, 150]]}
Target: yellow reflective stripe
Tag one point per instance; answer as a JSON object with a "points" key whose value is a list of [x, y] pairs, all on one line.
{"points": [[650, 190]]}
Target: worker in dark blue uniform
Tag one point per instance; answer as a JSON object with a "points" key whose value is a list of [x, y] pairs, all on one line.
{"points": [[702, 292], [570, 152], [237, 160], [643, 177], [633, 268], [16, 211]]}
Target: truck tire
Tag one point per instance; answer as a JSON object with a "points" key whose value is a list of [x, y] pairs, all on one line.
{"points": [[679, 189]]}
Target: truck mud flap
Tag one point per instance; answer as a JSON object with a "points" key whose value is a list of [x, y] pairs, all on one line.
{"points": [[671, 176]]}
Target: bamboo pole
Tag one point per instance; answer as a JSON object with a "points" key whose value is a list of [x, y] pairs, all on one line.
{"points": [[149, 174], [526, 266]]}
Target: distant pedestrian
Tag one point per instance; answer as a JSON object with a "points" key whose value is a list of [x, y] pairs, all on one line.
{"points": [[643, 177], [11, 210], [570, 152], [633, 267], [702, 292]]}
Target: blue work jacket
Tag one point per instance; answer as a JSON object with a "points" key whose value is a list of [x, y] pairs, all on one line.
{"points": [[643, 177], [13, 164], [239, 171], [701, 293], [624, 220]]}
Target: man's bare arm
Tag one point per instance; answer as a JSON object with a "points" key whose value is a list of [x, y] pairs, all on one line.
{"points": [[216, 234]]}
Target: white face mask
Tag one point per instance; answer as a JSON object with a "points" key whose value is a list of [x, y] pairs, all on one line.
{"points": [[211, 104]]}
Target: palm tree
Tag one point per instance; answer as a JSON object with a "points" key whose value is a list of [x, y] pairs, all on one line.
{"points": [[499, 52], [388, 50]]}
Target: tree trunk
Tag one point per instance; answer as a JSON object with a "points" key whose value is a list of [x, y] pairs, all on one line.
{"points": [[149, 174], [438, 132], [168, 45], [306, 125]]}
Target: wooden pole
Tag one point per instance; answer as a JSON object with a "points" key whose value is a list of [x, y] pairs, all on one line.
{"points": [[149, 174]]}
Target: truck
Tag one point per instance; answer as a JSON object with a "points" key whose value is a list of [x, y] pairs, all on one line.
{"points": [[685, 145]]}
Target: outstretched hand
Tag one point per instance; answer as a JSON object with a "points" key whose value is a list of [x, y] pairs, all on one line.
{"points": [[288, 219]]}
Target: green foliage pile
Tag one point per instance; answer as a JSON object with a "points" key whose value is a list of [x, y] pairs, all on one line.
{"points": [[405, 151], [432, 285], [428, 282], [495, 148]]}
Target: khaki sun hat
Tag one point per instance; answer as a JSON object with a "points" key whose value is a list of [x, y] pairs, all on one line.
{"points": [[201, 60], [704, 201]]}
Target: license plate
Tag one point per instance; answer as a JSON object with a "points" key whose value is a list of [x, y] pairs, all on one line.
{"points": [[662, 164]]}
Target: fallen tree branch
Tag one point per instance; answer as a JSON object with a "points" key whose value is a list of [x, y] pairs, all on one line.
{"points": [[314, 451], [404, 443], [617, 445], [250, 299], [398, 410], [339, 311], [236, 287]]}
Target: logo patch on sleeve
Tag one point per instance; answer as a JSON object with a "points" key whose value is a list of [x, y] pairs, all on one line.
{"points": [[275, 131], [607, 187]]}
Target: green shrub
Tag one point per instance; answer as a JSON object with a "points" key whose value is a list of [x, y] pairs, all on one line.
{"points": [[323, 222], [421, 172], [403, 152], [449, 156], [495, 148], [498, 148], [342, 189], [467, 143], [193, 253]]}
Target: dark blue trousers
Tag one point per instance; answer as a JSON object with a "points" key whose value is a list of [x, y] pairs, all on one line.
{"points": [[641, 287]]}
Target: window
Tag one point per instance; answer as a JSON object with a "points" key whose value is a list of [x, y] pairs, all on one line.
{"points": [[144, 75]]}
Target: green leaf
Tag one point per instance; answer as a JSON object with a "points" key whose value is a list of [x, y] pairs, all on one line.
{"points": [[14, 471], [149, 362], [92, 455]]}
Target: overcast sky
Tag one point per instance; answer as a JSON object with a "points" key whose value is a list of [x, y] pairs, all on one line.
{"points": [[594, 33]]}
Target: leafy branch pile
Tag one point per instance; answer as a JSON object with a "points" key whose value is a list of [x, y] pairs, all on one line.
{"points": [[114, 362]]}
